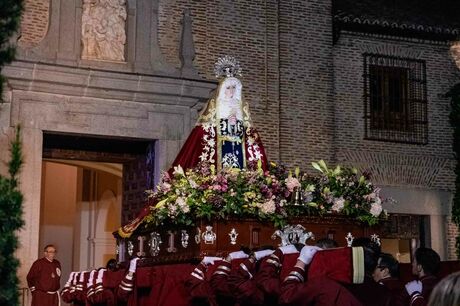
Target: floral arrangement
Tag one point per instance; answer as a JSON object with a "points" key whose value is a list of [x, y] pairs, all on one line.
{"points": [[273, 195]]}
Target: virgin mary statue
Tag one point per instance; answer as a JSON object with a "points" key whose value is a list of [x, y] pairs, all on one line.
{"points": [[223, 135]]}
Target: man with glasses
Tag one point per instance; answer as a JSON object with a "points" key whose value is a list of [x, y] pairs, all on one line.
{"points": [[387, 274], [44, 278]]}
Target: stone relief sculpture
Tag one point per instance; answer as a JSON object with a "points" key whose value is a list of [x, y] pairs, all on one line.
{"points": [[103, 29], [455, 53]]}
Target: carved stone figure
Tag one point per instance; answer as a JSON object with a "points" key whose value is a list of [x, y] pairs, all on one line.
{"points": [[103, 30], [455, 53]]}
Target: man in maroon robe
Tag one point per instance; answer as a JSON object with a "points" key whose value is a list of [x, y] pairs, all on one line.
{"points": [[242, 282], [219, 279], [317, 290], [260, 286], [43, 279], [126, 287], [69, 288], [199, 286]]}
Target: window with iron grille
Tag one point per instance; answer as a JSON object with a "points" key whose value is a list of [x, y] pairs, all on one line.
{"points": [[395, 102]]}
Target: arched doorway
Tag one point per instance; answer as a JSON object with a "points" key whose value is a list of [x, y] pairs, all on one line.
{"points": [[80, 208], [89, 186]]}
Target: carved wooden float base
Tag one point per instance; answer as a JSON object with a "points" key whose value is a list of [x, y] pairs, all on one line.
{"points": [[167, 245]]}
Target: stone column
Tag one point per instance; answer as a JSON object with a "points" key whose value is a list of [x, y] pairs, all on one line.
{"points": [[30, 185], [438, 235], [165, 152]]}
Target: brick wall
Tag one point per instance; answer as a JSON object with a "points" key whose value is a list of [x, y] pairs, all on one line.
{"points": [[452, 233], [427, 166], [244, 29], [34, 23], [307, 119]]}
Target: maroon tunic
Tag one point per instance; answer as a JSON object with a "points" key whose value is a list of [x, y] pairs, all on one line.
{"points": [[199, 288], [79, 297], [244, 287], [219, 284], [99, 294], [125, 288], [371, 293], [320, 291], [396, 288], [429, 282], [167, 285], [268, 276], [43, 281], [69, 288]]}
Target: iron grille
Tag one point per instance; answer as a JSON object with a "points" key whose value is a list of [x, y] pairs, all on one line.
{"points": [[395, 99]]}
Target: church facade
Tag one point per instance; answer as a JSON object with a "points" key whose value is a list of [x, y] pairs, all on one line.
{"points": [[323, 80]]}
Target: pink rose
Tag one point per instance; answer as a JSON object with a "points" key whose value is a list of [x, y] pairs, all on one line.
{"points": [[292, 183]]}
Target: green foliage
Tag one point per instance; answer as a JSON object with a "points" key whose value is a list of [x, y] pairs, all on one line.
{"points": [[454, 95], [10, 196], [10, 18], [10, 222]]}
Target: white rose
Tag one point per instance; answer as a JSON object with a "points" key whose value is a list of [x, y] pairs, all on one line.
{"points": [[182, 204], [172, 210], [376, 208], [268, 207]]}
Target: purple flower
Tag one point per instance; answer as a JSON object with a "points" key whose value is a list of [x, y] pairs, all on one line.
{"points": [[216, 200], [287, 193], [165, 177]]}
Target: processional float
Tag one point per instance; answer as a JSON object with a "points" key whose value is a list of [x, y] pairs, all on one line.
{"points": [[221, 193]]}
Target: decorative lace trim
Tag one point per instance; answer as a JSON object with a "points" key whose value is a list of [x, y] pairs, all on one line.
{"points": [[230, 160], [209, 143], [253, 148]]}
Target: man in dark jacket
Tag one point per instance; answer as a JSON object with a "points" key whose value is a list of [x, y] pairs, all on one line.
{"points": [[425, 265]]}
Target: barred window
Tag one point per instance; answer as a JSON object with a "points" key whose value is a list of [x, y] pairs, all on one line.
{"points": [[395, 101]]}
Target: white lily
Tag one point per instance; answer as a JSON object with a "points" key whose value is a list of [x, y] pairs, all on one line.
{"points": [[178, 171]]}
